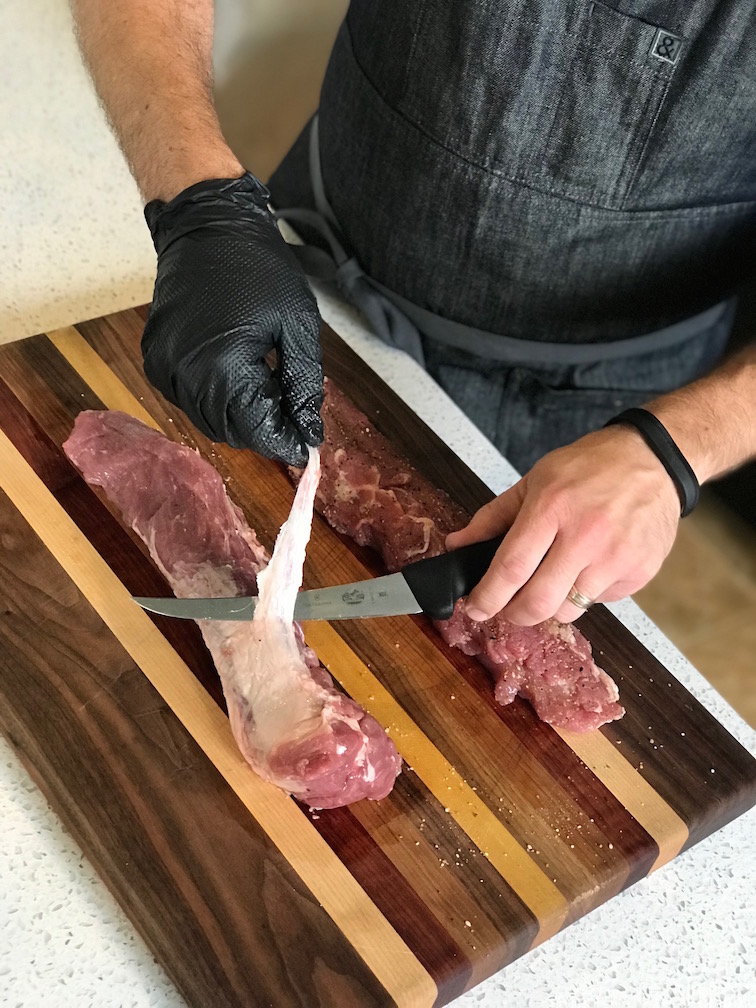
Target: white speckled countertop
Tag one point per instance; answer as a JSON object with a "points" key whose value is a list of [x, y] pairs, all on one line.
{"points": [[72, 246]]}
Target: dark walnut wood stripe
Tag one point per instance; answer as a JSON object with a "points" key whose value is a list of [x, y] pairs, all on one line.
{"points": [[713, 778], [472, 889], [445, 960], [132, 567], [597, 804], [511, 927]]}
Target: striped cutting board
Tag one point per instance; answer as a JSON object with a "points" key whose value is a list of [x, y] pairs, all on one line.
{"points": [[500, 830]]}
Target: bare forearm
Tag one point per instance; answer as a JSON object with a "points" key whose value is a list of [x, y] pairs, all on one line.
{"points": [[713, 420], [151, 61]]}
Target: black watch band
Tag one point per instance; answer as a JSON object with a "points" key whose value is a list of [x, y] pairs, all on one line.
{"points": [[656, 436]]}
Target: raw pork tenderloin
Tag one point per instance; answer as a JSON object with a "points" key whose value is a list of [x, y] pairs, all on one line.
{"points": [[291, 724], [371, 493]]}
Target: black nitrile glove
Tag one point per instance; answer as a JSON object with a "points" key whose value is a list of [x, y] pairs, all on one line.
{"points": [[228, 291]]}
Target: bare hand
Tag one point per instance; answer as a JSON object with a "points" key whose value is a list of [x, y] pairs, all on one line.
{"points": [[600, 514]]}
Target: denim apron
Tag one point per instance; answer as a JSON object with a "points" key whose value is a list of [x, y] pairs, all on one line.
{"points": [[549, 204]]}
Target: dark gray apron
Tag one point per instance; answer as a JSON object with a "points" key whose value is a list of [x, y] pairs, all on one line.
{"points": [[550, 204]]}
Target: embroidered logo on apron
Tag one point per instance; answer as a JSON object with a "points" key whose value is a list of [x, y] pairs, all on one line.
{"points": [[666, 47]]}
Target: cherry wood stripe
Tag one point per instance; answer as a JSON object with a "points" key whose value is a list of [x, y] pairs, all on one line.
{"points": [[519, 870], [631, 816], [444, 959], [512, 788], [365, 928], [459, 884]]}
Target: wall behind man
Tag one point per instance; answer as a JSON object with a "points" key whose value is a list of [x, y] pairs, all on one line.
{"points": [[738, 490], [270, 57]]}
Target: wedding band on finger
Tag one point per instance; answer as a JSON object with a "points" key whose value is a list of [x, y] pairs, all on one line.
{"points": [[578, 599]]}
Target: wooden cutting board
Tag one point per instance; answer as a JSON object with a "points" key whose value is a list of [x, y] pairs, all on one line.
{"points": [[500, 830]]}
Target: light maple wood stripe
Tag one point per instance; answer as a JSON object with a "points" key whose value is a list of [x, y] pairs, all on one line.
{"points": [[354, 913], [644, 804], [515, 866], [105, 384]]}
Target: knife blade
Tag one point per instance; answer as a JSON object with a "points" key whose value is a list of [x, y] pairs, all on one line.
{"points": [[432, 586]]}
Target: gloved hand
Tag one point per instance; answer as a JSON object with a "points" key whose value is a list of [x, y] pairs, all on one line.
{"points": [[228, 291]]}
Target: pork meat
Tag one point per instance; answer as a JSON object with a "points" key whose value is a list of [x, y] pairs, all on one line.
{"points": [[290, 722]]}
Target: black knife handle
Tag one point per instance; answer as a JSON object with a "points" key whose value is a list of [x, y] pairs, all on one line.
{"points": [[439, 581]]}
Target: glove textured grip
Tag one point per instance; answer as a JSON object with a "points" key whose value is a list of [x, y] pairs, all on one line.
{"points": [[228, 291]]}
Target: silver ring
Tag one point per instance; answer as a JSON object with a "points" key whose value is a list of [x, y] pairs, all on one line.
{"points": [[578, 599]]}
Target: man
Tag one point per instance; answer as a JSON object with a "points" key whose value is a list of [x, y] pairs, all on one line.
{"points": [[552, 204]]}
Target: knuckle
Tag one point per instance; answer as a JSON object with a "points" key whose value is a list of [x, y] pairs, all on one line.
{"points": [[485, 513], [538, 608], [559, 500], [514, 569], [533, 607], [540, 604]]}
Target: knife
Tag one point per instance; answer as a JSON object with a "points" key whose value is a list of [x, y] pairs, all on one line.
{"points": [[431, 586]]}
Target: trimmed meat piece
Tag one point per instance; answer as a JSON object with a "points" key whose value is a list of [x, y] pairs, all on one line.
{"points": [[549, 665], [371, 493], [290, 722]]}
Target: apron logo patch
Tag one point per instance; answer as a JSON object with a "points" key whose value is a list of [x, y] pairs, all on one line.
{"points": [[666, 47]]}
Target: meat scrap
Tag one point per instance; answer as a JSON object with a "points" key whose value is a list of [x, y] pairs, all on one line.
{"points": [[371, 493], [549, 664], [290, 722]]}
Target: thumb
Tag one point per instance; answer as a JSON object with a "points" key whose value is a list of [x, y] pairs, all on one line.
{"points": [[492, 519]]}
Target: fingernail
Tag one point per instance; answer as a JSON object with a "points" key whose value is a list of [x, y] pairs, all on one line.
{"points": [[475, 614]]}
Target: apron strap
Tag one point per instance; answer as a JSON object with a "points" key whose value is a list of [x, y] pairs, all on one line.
{"points": [[341, 267]]}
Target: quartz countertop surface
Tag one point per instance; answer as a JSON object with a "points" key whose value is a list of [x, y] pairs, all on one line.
{"points": [[73, 246]]}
